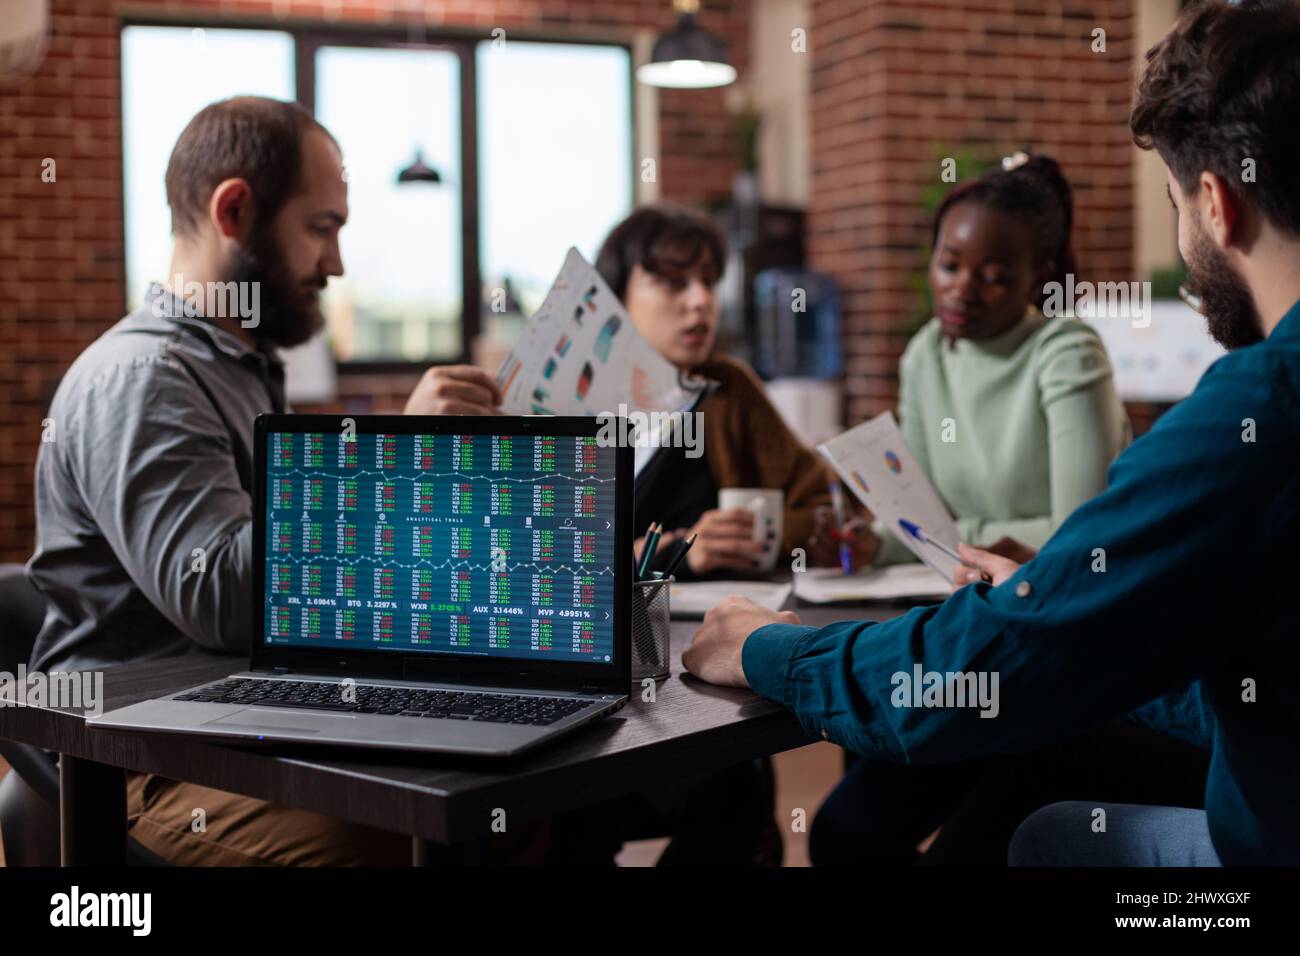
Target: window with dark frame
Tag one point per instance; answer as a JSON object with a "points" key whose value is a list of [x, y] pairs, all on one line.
{"points": [[529, 141]]}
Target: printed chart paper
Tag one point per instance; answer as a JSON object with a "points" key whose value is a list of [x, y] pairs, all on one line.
{"points": [[581, 355], [875, 463]]}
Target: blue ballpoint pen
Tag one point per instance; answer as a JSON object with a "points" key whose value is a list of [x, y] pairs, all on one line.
{"points": [[917, 532], [837, 502]]}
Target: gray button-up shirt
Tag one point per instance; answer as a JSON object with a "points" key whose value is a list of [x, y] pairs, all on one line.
{"points": [[144, 512]]}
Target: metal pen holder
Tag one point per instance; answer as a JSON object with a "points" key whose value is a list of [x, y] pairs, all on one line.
{"points": [[651, 627]]}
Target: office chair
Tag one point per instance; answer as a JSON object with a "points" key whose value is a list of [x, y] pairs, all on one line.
{"points": [[29, 793]]}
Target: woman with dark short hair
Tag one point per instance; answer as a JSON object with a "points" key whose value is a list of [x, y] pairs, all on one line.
{"points": [[664, 262]]}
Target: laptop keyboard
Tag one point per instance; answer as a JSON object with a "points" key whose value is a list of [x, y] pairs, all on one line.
{"points": [[392, 701]]}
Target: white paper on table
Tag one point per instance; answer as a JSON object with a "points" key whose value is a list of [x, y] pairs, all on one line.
{"points": [[875, 463], [697, 598], [890, 583], [580, 354]]}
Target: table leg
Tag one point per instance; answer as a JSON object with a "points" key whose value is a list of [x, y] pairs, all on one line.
{"points": [[423, 852], [92, 813]]}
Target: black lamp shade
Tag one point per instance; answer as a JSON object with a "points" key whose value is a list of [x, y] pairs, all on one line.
{"points": [[419, 172], [687, 57]]}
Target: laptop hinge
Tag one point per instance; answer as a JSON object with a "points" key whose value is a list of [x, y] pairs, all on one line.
{"points": [[279, 670]]}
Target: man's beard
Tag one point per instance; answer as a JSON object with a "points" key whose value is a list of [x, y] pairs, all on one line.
{"points": [[1225, 299], [288, 314]]}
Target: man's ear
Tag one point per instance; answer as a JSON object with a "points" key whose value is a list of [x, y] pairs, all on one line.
{"points": [[1220, 209], [231, 208]]}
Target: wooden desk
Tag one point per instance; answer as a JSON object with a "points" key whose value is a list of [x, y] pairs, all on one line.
{"points": [[690, 727]]}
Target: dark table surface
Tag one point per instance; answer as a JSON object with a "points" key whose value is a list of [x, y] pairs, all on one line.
{"points": [[690, 727]]}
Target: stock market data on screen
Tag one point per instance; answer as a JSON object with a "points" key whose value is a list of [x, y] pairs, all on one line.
{"points": [[462, 544]]}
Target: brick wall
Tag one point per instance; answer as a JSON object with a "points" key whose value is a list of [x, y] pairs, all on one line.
{"points": [[894, 79], [891, 81], [61, 244]]}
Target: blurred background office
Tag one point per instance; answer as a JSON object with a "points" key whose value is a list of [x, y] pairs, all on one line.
{"points": [[482, 138]]}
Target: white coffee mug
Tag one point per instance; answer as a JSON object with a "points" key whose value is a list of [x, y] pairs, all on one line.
{"points": [[768, 507]]}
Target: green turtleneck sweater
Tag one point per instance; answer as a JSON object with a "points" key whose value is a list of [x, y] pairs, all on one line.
{"points": [[1015, 432]]}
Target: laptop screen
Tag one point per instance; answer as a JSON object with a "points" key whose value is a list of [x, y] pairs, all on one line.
{"points": [[480, 544]]}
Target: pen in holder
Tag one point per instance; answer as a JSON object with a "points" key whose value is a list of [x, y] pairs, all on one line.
{"points": [[650, 628]]}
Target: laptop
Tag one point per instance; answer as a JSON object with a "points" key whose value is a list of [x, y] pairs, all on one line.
{"points": [[446, 584]]}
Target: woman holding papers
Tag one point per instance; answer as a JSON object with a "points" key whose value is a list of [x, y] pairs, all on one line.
{"points": [[1009, 407], [663, 262], [1011, 410]]}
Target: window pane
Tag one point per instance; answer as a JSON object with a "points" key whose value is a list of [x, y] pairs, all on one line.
{"points": [[400, 296], [155, 108], [555, 157]]}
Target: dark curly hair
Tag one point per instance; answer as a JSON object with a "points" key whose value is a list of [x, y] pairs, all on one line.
{"points": [[1224, 87], [1035, 192]]}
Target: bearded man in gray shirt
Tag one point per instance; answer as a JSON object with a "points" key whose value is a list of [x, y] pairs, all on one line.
{"points": [[144, 497]]}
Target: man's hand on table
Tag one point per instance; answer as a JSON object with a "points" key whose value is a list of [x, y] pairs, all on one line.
{"points": [[715, 651]]}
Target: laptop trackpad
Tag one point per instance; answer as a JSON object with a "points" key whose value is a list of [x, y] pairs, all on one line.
{"points": [[279, 720]]}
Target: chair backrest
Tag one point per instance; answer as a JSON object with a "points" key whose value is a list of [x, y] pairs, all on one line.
{"points": [[29, 837], [22, 611]]}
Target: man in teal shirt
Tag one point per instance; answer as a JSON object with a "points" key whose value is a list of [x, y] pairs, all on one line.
{"points": [[1179, 581]]}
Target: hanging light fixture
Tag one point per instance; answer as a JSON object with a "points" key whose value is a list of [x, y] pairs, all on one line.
{"points": [[687, 56], [419, 171]]}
